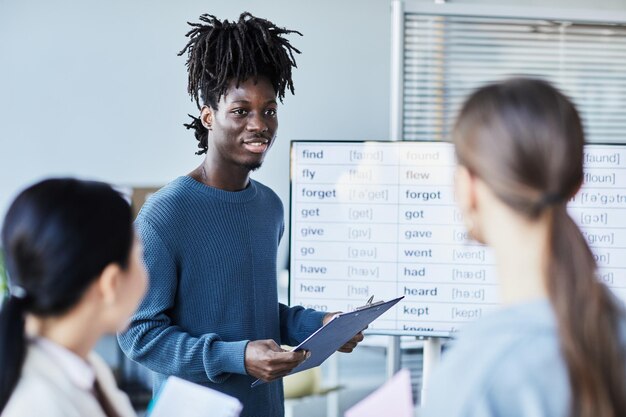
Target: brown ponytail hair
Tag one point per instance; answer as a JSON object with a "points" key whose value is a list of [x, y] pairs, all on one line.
{"points": [[525, 140]]}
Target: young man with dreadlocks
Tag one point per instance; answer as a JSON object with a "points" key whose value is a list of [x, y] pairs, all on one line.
{"points": [[211, 314]]}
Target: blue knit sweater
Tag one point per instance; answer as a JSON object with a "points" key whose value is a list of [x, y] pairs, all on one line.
{"points": [[211, 257]]}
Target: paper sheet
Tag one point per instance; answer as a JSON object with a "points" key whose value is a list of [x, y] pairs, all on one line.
{"points": [[182, 398], [394, 398]]}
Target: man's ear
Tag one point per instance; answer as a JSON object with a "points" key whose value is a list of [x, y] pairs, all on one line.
{"points": [[206, 117], [109, 282]]}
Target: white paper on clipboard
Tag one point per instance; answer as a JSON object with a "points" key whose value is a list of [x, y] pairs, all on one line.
{"points": [[330, 337]]}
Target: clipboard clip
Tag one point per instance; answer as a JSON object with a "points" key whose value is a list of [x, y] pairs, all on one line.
{"points": [[369, 303]]}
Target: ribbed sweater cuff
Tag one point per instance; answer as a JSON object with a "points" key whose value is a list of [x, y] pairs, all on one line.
{"points": [[230, 356], [313, 322]]}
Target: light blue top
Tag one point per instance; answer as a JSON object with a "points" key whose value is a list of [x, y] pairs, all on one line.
{"points": [[211, 257], [508, 364]]}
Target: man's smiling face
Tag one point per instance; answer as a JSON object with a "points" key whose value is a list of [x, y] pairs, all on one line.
{"points": [[243, 127]]}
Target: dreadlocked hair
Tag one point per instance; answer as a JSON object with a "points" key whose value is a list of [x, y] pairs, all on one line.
{"points": [[219, 52]]}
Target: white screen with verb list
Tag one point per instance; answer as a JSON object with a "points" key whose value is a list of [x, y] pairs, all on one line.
{"points": [[379, 218]]}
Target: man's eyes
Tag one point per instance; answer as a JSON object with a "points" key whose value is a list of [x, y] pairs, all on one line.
{"points": [[244, 112]]}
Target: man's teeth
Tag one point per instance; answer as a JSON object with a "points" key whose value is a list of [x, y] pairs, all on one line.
{"points": [[257, 143]]}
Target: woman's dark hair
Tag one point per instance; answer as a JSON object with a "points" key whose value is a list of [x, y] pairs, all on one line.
{"points": [[525, 140], [219, 52], [58, 236]]}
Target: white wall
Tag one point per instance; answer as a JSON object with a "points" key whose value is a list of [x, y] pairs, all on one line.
{"points": [[94, 88]]}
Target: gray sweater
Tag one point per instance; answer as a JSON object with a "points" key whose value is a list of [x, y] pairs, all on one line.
{"points": [[508, 364]]}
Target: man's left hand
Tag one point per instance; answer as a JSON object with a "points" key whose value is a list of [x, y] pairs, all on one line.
{"points": [[350, 344]]}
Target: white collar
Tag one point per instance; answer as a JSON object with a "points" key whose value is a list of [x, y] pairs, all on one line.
{"points": [[79, 371]]}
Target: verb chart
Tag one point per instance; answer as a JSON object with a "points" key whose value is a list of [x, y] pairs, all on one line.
{"points": [[379, 218]]}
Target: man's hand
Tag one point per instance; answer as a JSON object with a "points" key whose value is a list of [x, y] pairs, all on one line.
{"points": [[350, 344], [265, 360]]}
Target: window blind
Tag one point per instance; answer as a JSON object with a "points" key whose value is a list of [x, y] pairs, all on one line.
{"points": [[447, 57]]}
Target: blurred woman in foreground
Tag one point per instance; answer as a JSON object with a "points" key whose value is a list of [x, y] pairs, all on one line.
{"points": [[557, 347], [76, 273]]}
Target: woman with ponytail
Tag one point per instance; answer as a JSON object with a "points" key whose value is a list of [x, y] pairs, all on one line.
{"points": [[75, 274], [557, 347]]}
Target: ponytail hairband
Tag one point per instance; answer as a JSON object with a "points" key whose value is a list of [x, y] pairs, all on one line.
{"points": [[549, 199], [18, 292]]}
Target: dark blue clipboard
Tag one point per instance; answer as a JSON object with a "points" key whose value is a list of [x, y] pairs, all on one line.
{"points": [[341, 328]]}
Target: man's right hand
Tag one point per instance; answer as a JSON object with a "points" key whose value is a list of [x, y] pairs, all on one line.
{"points": [[265, 360]]}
